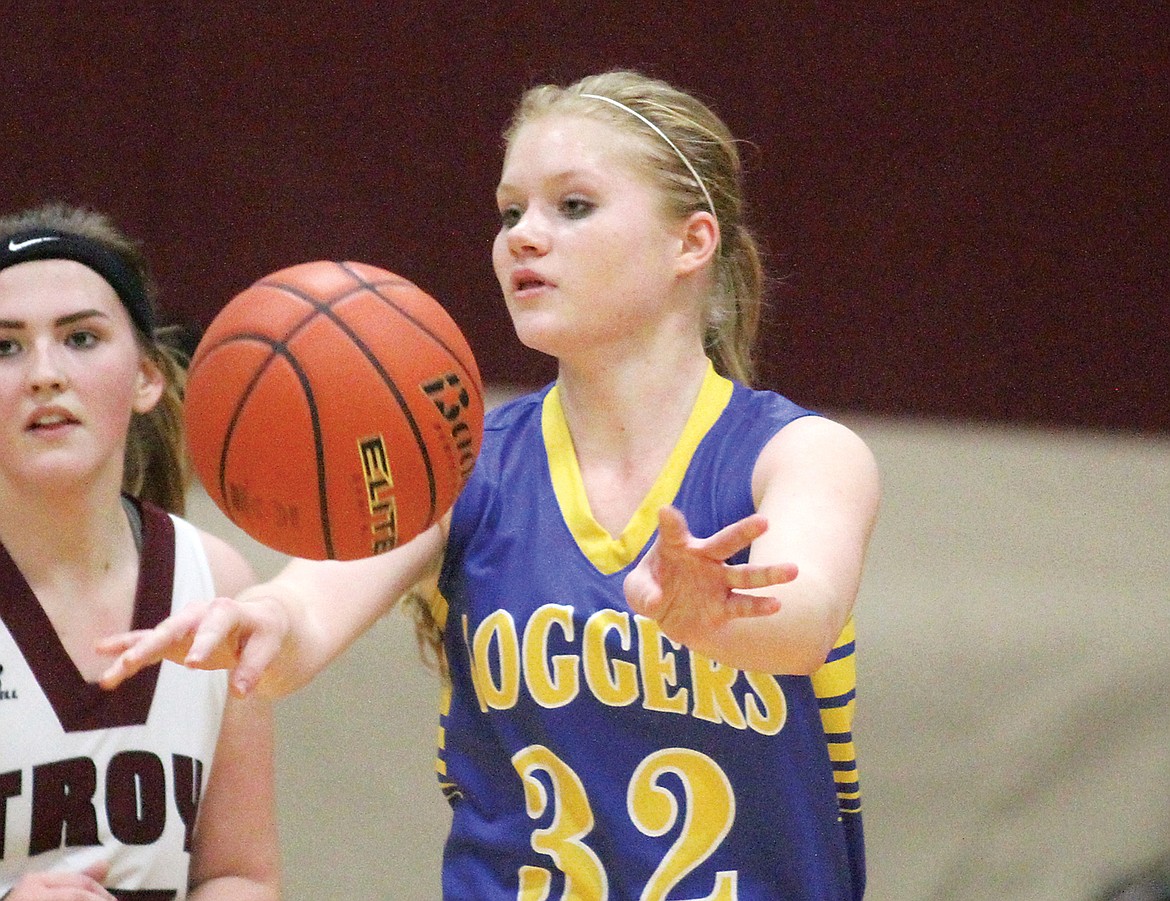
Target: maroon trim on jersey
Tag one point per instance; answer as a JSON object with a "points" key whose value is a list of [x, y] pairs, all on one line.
{"points": [[82, 705]]}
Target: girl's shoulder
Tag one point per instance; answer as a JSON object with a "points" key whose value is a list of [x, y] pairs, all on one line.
{"points": [[766, 405], [515, 409], [515, 421], [230, 570]]}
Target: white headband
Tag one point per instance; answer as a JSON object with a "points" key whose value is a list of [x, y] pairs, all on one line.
{"points": [[673, 146]]}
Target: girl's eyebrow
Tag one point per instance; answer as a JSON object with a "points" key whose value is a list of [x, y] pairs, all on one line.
{"points": [[79, 315], [556, 179], [64, 320]]}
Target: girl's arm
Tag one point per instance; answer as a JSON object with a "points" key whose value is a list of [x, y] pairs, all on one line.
{"points": [[236, 854], [276, 636], [817, 491]]}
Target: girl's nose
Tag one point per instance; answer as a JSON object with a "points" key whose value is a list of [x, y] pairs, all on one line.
{"points": [[44, 371], [528, 235]]}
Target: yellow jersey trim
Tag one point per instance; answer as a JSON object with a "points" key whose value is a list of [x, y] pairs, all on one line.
{"points": [[607, 553]]}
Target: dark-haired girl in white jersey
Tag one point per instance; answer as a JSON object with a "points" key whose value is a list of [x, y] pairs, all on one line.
{"points": [[162, 788]]}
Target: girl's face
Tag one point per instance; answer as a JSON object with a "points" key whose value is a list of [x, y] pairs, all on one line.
{"points": [[585, 256], [71, 374]]}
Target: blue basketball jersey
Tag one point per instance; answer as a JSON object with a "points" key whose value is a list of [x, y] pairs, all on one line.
{"points": [[586, 755]]}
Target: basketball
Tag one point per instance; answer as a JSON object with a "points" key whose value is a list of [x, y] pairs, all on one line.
{"points": [[333, 410]]}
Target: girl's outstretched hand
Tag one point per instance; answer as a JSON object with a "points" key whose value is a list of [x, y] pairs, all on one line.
{"points": [[685, 584], [241, 636]]}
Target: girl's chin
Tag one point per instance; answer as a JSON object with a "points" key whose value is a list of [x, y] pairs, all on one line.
{"points": [[54, 472], [542, 336]]}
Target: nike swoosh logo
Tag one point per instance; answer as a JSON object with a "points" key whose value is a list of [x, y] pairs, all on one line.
{"points": [[14, 246]]}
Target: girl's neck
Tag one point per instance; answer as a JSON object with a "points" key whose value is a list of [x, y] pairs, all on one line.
{"points": [[625, 421], [77, 555], [625, 409], [79, 531]]}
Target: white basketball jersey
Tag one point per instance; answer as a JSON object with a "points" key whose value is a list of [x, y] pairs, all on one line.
{"points": [[88, 775]]}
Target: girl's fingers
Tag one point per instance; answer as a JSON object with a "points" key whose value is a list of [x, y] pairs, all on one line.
{"points": [[221, 634], [742, 606], [145, 647], [116, 644], [672, 526], [224, 618], [763, 575], [255, 656], [674, 533], [732, 539]]}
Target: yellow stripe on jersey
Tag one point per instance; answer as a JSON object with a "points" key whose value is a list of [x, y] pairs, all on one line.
{"points": [[838, 676], [439, 612], [441, 737], [842, 752], [604, 551], [837, 720], [834, 685], [439, 608]]}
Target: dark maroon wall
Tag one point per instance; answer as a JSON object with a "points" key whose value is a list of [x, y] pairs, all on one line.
{"points": [[966, 210]]}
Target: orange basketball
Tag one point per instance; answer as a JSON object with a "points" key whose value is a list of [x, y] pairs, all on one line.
{"points": [[333, 410]]}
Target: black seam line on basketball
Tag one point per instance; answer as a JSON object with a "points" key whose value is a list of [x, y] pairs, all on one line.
{"points": [[318, 306], [374, 286], [325, 308], [278, 348]]}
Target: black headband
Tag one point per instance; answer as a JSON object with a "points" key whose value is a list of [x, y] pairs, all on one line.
{"points": [[50, 244]]}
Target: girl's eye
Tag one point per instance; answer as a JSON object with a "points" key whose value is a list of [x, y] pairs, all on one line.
{"points": [[576, 207], [81, 339], [8, 347], [510, 215]]}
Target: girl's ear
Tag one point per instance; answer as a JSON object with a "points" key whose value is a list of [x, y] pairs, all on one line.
{"points": [[150, 387], [700, 241]]}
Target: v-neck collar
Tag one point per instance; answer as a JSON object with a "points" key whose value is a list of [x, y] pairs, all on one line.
{"points": [[605, 552], [82, 705]]}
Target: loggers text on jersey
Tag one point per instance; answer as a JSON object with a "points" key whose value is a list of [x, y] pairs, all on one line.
{"points": [[554, 664]]}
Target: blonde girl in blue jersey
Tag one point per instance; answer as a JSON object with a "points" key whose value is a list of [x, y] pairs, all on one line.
{"points": [[164, 788], [635, 710]]}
